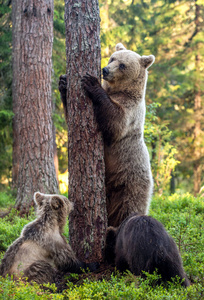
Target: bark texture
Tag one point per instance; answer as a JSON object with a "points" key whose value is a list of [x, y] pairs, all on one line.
{"points": [[85, 145], [32, 105]]}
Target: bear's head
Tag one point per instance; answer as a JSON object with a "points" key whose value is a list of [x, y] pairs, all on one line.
{"points": [[126, 70], [53, 206]]}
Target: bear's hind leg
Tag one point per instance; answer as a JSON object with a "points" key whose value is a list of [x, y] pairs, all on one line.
{"points": [[41, 272], [170, 269], [122, 264], [170, 266]]}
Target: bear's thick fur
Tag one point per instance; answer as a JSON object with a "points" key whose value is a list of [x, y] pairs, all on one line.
{"points": [[141, 243], [41, 253], [120, 112]]}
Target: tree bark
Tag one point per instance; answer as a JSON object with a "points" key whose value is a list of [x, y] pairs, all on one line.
{"points": [[85, 145], [33, 156]]}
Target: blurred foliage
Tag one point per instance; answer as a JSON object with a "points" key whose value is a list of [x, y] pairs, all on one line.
{"points": [[162, 152], [5, 93], [59, 68]]}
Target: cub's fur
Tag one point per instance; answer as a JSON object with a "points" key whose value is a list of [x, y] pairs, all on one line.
{"points": [[141, 243], [120, 112], [42, 252]]}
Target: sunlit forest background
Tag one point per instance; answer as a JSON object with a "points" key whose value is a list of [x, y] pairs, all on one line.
{"points": [[174, 129], [173, 31]]}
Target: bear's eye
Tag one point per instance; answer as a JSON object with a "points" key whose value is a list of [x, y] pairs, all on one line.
{"points": [[111, 60], [122, 67]]}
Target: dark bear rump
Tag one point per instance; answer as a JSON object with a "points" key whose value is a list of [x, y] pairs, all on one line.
{"points": [[142, 244]]}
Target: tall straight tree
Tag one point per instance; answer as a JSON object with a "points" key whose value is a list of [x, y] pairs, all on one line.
{"points": [[33, 135], [85, 146]]}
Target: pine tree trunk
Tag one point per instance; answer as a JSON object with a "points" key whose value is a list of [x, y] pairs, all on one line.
{"points": [[33, 156], [85, 145]]}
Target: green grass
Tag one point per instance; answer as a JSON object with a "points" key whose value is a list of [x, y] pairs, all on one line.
{"points": [[182, 216], [6, 200]]}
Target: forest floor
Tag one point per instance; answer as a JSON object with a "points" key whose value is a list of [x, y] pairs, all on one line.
{"points": [[182, 216], [103, 273]]}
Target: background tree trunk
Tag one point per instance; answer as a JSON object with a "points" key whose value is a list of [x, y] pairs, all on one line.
{"points": [[32, 105], [85, 145], [16, 34]]}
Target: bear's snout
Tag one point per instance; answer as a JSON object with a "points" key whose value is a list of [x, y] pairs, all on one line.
{"points": [[105, 72]]}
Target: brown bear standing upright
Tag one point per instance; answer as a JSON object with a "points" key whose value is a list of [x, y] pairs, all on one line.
{"points": [[120, 112], [42, 253]]}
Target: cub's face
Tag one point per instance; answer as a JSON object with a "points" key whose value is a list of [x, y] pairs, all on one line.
{"points": [[56, 204], [124, 67]]}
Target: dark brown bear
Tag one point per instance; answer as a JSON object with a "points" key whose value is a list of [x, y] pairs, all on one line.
{"points": [[41, 253], [141, 243]]}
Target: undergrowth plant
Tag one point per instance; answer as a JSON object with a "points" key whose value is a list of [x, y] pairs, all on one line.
{"points": [[183, 218]]}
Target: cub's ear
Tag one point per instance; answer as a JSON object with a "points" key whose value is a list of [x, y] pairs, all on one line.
{"points": [[56, 202], [38, 198], [147, 61], [119, 47], [69, 204]]}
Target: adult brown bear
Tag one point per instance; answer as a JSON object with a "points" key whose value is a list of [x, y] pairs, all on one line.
{"points": [[119, 107]]}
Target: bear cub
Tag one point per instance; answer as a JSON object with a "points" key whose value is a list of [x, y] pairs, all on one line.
{"points": [[141, 243], [41, 253], [119, 107]]}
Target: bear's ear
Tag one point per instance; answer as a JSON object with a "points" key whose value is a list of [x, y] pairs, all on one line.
{"points": [[147, 61], [119, 47], [38, 198], [56, 202], [69, 204]]}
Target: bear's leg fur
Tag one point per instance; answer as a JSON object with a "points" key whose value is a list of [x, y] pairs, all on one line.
{"points": [[122, 203], [122, 264], [41, 272], [169, 265], [109, 251]]}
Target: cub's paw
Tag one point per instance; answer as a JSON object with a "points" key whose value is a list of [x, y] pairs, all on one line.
{"points": [[63, 85], [92, 266]]}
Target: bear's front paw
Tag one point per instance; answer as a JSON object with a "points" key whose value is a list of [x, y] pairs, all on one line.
{"points": [[63, 85], [90, 84]]}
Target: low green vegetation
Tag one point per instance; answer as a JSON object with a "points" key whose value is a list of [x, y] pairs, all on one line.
{"points": [[182, 216]]}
